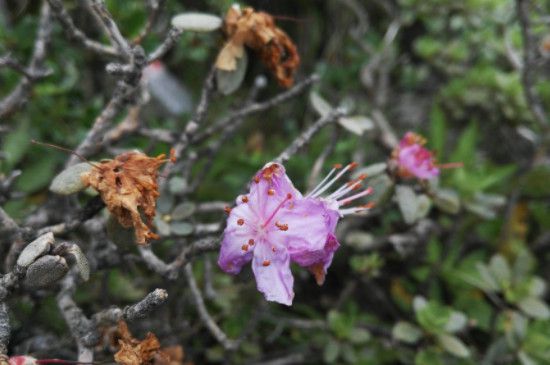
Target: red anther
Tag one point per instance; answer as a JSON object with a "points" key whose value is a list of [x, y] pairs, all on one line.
{"points": [[244, 248], [358, 186], [289, 196], [240, 222], [227, 210], [337, 165], [352, 165], [244, 199], [369, 205], [270, 192], [256, 179], [362, 177], [281, 226], [266, 263], [251, 242]]}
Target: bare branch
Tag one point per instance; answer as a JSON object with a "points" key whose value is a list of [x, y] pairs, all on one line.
{"points": [[75, 34], [308, 134], [171, 39], [130, 313], [19, 95], [208, 321], [106, 20]]}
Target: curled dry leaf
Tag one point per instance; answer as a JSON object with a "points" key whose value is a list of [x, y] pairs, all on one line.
{"points": [[146, 352], [257, 30], [128, 186], [133, 351]]}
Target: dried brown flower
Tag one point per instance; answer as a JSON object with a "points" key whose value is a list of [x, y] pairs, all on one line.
{"points": [[146, 352], [128, 186], [257, 30]]}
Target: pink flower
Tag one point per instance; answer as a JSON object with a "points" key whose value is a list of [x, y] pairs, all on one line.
{"points": [[275, 225], [22, 360], [413, 159]]}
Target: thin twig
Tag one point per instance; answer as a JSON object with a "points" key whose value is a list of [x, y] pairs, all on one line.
{"points": [[20, 94], [75, 34], [308, 134], [210, 324]]}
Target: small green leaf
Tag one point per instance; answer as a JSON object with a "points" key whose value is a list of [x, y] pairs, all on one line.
{"points": [[320, 105], [372, 170], [356, 124], [406, 332], [534, 307], [196, 22], [177, 185], [183, 210], [229, 81], [453, 345], [331, 351], [181, 228], [68, 181], [500, 270], [447, 200], [457, 321], [359, 336]]}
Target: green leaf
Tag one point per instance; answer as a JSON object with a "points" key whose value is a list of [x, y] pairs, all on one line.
{"points": [[372, 170], [331, 351], [183, 210], [68, 181], [434, 317], [406, 332], [534, 307], [16, 143], [428, 357], [340, 324], [453, 345], [447, 200], [465, 149], [196, 22], [37, 174], [356, 124], [359, 336], [320, 105], [500, 270], [229, 81], [457, 321], [413, 207]]}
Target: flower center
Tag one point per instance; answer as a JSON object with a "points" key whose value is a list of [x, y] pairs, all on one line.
{"points": [[275, 211]]}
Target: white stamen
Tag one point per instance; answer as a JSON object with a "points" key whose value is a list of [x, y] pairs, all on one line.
{"points": [[344, 189], [329, 184], [321, 183], [356, 196]]}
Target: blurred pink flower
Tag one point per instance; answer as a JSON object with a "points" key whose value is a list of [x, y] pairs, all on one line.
{"points": [[413, 159], [22, 360], [275, 225]]}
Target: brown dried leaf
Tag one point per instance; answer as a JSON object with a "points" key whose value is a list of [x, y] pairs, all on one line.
{"points": [[133, 351], [257, 30], [128, 186], [147, 352]]}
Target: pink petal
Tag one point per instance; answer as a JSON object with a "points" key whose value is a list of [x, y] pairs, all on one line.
{"points": [[236, 237], [309, 223], [319, 268], [269, 187], [271, 266]]}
